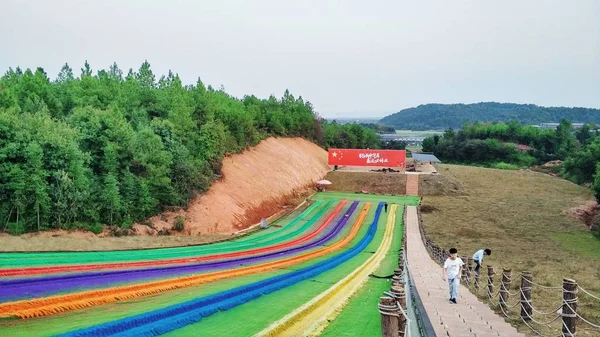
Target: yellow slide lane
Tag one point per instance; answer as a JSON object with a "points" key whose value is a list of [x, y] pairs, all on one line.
{"points": [[312, 317]]}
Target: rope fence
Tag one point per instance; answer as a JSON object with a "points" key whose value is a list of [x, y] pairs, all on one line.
{"points": [[523, 308], [402, 312]]}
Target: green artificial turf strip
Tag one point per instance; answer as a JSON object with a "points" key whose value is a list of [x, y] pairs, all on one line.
{"points": [[275, 235], [360, 316], [375, 198], [72, 320], [250, 318]]}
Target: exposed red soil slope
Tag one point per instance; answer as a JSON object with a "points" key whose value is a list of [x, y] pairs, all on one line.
{"points": [[255, 184]]}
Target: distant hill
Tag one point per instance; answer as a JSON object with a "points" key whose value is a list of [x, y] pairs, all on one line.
{"points": [[443, 116]]}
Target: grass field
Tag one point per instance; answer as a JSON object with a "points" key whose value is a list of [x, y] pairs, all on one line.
{"points": [[424, 133], [519, 215]]}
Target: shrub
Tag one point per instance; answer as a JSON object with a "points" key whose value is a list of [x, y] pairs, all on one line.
{"points": [[179, 223], [96, 228], [76, 226], [127, 223], [504, 166], [15, 228]]}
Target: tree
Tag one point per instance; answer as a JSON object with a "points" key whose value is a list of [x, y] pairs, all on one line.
{"points": [[145, 76], [565, 141], [584, 135], [37, 185], [106, 149], [115, 73], [597, 183], [580, 166], [65, 74], [429, 145], [111, 196], [86, 70]]}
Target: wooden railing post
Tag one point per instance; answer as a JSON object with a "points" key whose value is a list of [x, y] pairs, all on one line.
{"points": [[526, 309], [396, 280], [389, 317], [569, 308], [469, 269], [463, 275], [490, 281], [400, 296], [504, 288], [477, 278]]}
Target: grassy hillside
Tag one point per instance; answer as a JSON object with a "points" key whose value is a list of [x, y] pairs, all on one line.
{"points": [[443, 116], [520, 216]]}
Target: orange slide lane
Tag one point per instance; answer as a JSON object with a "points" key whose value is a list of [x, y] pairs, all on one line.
{"points": [[56, 304], [62, 269]]}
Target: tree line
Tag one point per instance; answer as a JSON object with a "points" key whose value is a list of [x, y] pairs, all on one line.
{"points": [[443, 116], [511, 145], [111, 148]]}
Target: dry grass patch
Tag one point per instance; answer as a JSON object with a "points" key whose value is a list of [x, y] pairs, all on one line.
{"points": [[373, 182], [519, 215]]}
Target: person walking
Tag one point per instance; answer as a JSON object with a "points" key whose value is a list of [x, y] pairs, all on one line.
{"points": [[385, 206], [478, 258], [451, 272]]}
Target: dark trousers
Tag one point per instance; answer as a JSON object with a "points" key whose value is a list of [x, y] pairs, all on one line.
{"points": [[477, 266]]}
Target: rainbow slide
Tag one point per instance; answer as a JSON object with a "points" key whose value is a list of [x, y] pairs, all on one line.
{"points": [[317, 258]]}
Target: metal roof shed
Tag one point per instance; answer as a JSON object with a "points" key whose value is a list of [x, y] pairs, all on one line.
{"points": [[425, 157]]}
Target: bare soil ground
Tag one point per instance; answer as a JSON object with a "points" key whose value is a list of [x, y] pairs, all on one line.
{"points": [[372, 182], [522, 217], [255, 184], [440, 184], [587, 213], [87, 241]]}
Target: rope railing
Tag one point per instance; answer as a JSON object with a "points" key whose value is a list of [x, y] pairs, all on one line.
{"points": [[402, 313], [588, 293], [529, 315]]}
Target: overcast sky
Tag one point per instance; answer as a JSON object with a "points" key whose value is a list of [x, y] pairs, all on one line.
{"points": [[349, 58]]}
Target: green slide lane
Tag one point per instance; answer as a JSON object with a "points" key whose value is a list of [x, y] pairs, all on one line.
{"points": [[360, 316], [286, 233]]}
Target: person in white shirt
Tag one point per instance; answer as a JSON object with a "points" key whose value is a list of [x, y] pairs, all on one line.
{"points": [[478, 258], [452, 271]]}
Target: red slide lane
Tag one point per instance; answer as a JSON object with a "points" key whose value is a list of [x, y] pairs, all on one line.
{"points": [[61, 269]]}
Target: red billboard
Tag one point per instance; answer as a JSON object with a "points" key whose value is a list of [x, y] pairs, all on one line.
{"points": [[361, 157]]}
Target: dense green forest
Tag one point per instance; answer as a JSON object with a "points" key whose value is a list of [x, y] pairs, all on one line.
{"points": [[500, 145], [378, 127], [443, 116], [108, 148]]}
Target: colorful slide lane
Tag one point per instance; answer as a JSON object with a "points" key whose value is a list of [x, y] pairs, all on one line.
{"points": [[149, 257], [167, 319], [272, 299], [56, 304], [312, 317], [30, 287]]}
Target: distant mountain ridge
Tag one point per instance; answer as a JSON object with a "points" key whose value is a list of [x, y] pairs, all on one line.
{"points": [[443, 116]]}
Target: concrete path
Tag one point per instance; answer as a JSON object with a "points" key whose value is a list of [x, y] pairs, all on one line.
{"points": [[469, 317], [412, 183]]}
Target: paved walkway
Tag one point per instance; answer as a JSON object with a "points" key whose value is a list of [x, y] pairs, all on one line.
{"points": [[469, 317], [412, 183]]}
